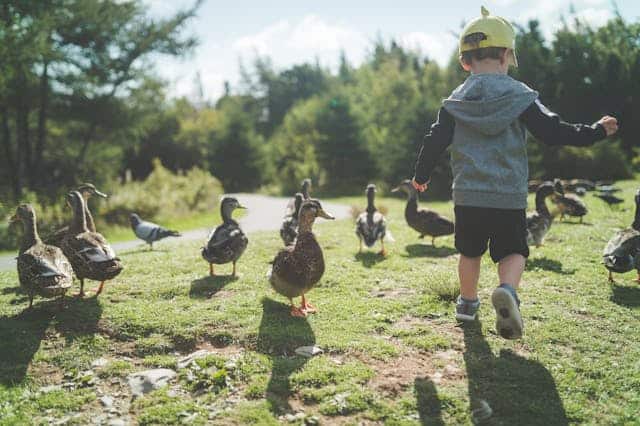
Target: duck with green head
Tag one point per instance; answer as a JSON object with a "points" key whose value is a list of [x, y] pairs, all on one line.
{"points": [[426, 222], [297, 268], [90, 254], [227, 242], [42, 269]]}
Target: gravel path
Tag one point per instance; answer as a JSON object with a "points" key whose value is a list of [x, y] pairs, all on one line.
{"points": [[264, 213]]}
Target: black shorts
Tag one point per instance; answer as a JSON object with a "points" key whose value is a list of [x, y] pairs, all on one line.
{"points": [[504, 230]]}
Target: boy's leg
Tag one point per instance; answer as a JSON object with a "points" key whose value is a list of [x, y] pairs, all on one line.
{"points": [[509, 249], [471, 242]]}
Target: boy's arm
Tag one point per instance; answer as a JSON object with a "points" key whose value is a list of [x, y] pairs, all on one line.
{"points": [[547, 127], [433, 145]]}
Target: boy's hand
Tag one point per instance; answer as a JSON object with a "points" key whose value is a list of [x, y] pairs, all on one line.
{"points": [[419, 187], [610, 124]]}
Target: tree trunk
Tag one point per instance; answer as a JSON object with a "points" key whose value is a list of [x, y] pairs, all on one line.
{"points": [[8, 153], [42, 125]]}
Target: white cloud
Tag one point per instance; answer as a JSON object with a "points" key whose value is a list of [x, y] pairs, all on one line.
{"points": [[436, 46], [262, 41]]}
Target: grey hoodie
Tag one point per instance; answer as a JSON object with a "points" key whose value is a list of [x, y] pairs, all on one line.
{"points": [[488, 151]]}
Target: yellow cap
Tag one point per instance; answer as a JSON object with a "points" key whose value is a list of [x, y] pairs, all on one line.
{"points": [[497, 31]]}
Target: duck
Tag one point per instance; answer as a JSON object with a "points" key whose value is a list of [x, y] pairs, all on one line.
{"points": [[227, 242], [43, 269], [539, 222], [150, 232], [426, 222], [568, 204], [297, 268], [371, 225], [305, 188], [622, 252], [87, 190], [90, 254], [610, 199], [289, 228], [573, 184]]}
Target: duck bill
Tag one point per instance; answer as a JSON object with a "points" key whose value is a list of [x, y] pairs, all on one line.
{"points": [[101, 194], [241, 207], [323, 214]]}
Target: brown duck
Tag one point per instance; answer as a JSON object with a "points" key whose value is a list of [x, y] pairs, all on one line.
{"points": [[87, 190], [297, 268], [568, 204], [426, 222], [89, 252], [42, 269]]}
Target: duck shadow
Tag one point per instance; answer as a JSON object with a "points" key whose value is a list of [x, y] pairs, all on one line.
{"points": [[547, 264], [628, 297], [573, 222], [207, 287], [518, 390], [428, 402], [21, 334], [21, 295], [369, 259], [422, 250], [278, 337]]}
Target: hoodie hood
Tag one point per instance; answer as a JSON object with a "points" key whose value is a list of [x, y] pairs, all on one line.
{"points": [[489, 103]]}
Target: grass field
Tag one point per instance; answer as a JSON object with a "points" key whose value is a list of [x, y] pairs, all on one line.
{"points": [[393, 353]]}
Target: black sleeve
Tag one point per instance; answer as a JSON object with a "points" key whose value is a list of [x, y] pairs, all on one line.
{"points": [[433, 145], [549, 128]]}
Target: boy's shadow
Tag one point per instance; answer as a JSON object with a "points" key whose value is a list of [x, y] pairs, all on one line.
{"points": [[279, 335], [369, 258], [22, 334], [428, 402], [625, 296], [422, 250], [207, 287], [519, 391]]}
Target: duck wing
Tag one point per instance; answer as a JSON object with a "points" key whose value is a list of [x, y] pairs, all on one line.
{"points": [[431, 223], [225, 244], [621, 251], [371, 227], [289, 230]]}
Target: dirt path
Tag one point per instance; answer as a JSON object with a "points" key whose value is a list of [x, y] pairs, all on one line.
{"points": [[264, 213]]}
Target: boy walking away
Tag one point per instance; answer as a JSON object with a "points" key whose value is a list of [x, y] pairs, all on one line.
{"points": [[484, 122]]}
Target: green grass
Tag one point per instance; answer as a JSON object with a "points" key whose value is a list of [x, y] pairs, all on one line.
{"points": [[392, 352]]}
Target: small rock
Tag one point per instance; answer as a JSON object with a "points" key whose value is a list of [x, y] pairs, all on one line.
{"points": [[230, 365], [69, 375], [299, 416], [312, 421], [100, 362], [68, 385], [186, 361], [51, 388], [106, 401], [309, 351], [146, 381], [290, 418], [117, 422]]}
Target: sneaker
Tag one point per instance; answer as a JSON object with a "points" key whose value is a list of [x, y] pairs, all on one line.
{"points": [[508, 319], [466, 311]]}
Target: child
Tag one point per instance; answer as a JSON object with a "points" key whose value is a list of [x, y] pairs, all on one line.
{"points": [[484, 122]]}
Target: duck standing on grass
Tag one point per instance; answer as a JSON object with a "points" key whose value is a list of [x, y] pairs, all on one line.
{"points": [[569, 204], [90, 254], [539, 222], [149, 232], [227, 242], [622, 252], [426, 222], [297, 268], [42, 269], [87, 190], [609, 198], [305, 188], [371, 225], [289, 228]]}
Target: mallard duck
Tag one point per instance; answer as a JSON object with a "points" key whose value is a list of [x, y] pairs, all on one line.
{"points": [[89, 252], [289, 228], [227, 242], [426, 222], [622, 252], [297, 268], [305, 188], [87, 190], [149, 232], [610, 199], [569, 204], [42, 269], [371, 225], [539, 222]]}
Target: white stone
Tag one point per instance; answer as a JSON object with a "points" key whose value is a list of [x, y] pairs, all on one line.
{"points": [[106, 401], [309, 351], [100, 362], [186, 361], [147, 381]]}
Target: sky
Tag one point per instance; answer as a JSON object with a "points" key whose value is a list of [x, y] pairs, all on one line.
{"points": [[292, 32]]}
